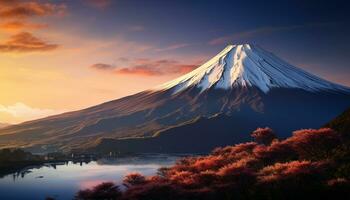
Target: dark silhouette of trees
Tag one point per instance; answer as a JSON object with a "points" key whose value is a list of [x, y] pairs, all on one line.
{"points": [[9, 155]]}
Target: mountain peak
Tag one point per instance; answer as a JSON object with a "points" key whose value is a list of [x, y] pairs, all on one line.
{"points": [[249, 66]]}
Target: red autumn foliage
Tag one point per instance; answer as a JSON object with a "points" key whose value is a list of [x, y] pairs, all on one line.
{"points": [[266, 169], [264, 135], [294, 169], [209, 163], [162, 172], [244, 165], [106, 190], [152, 190], [310, 143], [182, 177], [239, 148], [278, 151], [133, 179]]}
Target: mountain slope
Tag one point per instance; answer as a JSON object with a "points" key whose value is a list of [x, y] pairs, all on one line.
{"points": [[281, 110], [240, 88]]}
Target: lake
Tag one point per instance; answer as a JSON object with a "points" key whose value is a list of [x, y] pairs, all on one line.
{"points": [[63, 180]]}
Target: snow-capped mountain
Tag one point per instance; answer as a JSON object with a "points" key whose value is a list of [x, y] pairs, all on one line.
{"points": [[248, 65], [219, 103]]}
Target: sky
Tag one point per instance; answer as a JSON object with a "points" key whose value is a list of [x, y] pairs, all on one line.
{"points": [[58, 56]]}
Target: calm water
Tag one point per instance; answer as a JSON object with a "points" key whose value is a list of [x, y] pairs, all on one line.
{"points": [[62, 181]]}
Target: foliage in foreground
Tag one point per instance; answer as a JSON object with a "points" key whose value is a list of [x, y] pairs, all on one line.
{"points": [[310, 164]]}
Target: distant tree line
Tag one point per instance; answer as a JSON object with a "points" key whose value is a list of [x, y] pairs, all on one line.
{"points": [[15, 155], [13, 160]]}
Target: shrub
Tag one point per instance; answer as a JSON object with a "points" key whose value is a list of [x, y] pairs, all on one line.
{"points": [[133, 179], [209, 163], [314, 144], [103, 191], [264, 135], [278, 151], [297, 170]]}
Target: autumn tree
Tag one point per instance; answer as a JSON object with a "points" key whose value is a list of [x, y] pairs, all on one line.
{"points": [[264, 135]]}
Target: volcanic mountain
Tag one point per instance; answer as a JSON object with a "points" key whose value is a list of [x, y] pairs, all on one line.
{"points": [[221, 102]]}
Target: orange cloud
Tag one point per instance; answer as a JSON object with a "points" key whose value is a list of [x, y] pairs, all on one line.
{"points": [[139, 70], [26, 42], [8, 2], [25, 9], [147, 67], [18, 25]]}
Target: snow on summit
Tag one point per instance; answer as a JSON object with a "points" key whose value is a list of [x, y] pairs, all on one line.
{"points": [[248, 65]]}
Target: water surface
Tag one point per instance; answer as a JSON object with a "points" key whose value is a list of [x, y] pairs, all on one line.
{"points": [[63, 180]]}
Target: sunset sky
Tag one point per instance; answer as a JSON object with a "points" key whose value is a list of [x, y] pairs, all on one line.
{"points": [[58, 56]]}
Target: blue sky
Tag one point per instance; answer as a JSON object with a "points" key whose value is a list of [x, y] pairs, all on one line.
{"points": [[311, 34]]}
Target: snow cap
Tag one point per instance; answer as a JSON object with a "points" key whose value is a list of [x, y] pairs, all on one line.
{"points": [[249, 66]]}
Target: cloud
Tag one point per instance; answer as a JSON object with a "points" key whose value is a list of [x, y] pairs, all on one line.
{"points": [[123, 59], [139, 70], [100, 4], [102, 66], [173, 47], [21, 111], [150, 67], [25, 9], [144, 70], [18, 25], [154, 67], [26, 42], [16, 15], [251, 33], [147, 67], [8, 2]]}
